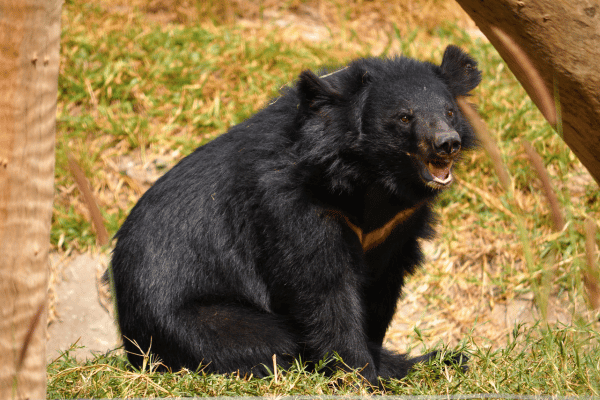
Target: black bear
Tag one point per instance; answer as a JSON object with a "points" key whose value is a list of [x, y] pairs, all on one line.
{"points": [[292, 233]]}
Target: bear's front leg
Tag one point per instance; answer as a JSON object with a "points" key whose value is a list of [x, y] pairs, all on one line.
{"points": [[333, 321], [316, 279]]}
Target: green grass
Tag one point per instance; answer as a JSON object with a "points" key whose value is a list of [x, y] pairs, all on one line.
{"points": [[134, 89], [536, 361]]}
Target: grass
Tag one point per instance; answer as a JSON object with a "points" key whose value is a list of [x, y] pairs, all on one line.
{"points": [[144, 83], [536, 361]]}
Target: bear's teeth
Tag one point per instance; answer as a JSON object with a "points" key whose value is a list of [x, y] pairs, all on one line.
{"points": [[441, 175], [444, 181]]}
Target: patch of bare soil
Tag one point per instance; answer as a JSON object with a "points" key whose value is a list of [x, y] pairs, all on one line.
{"points": [[81, 313]]}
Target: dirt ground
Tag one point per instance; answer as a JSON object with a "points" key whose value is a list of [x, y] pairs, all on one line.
{"points": [[81, 308]]}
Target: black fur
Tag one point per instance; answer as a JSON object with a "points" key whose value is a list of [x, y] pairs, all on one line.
{"points": [[257, 243]]}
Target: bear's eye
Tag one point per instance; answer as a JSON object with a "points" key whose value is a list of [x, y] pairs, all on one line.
{"points": [[450, 113], [405, 119]]}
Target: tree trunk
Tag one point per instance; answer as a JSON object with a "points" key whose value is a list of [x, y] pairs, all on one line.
{"points": [[29, 57], [562, 39]]}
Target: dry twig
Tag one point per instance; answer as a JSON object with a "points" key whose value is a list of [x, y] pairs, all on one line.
{"points": [[538, 164], [90, 201]]}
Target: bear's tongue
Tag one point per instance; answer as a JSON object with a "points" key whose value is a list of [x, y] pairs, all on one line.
{"points": [[440, 172]]}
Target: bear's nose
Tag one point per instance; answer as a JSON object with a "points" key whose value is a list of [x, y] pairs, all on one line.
{"points": [[447, 143]]}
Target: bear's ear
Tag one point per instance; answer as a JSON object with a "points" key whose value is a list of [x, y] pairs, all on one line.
{"points": [[459, 71], [315, 92]]}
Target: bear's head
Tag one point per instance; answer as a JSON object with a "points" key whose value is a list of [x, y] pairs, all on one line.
{"points": [[398, 118]]}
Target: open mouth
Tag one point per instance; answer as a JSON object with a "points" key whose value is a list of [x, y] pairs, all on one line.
{"points": [[436, 173]]}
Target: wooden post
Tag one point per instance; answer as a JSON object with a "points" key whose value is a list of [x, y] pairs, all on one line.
{"points": [[29, 58], [562, 39]]}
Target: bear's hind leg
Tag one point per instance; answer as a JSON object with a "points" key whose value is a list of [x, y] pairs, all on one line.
{"points": [[229, 338]]}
